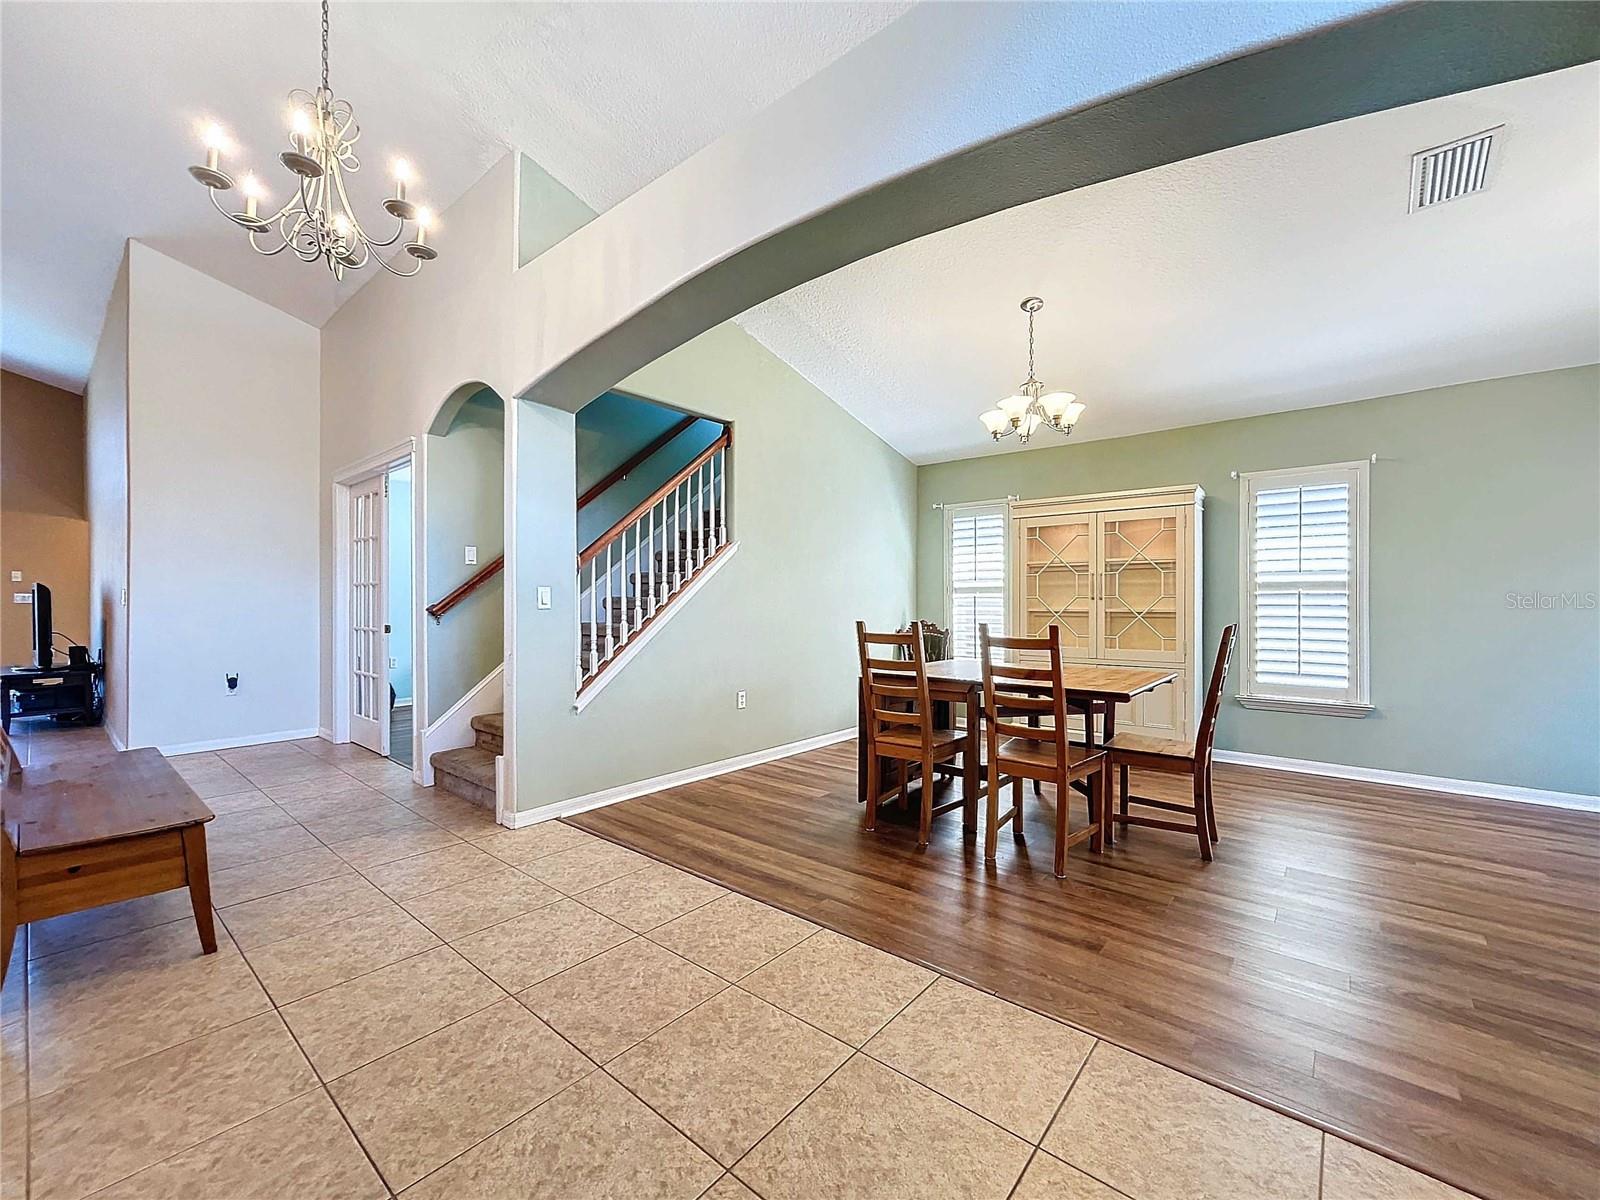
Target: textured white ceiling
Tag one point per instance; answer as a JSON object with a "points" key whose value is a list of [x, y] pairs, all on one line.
{"points": [[101, 103], [1282, 274]]}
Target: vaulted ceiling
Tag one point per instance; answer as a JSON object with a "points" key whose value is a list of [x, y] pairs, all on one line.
{"points": [[102, 102], [1281, 274]]}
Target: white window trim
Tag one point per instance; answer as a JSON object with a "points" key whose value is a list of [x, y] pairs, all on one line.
{"points": [[1001, 508], [1360, 703]]}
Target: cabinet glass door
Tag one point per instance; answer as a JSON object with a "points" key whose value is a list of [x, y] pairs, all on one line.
{"points": [[1142, 610], [1056, 556]]}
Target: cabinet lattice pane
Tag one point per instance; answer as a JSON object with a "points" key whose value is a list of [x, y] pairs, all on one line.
{"points": [[1141, 583], [1058, 581]]}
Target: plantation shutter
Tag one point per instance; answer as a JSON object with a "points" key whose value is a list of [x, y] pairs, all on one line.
{"points": [[1301, 599], [977, 576]]}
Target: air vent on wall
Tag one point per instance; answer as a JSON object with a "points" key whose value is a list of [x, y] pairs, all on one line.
{"points": [[1453, 170]]}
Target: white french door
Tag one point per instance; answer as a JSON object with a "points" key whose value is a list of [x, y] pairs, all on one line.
{"points": [[369, 604]]}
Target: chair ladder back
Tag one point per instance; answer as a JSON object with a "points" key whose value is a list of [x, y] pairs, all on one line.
{"points": [[1013, 691], [890, 684], [1206, 731]]}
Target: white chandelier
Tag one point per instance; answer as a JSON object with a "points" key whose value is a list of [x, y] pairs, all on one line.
{"points": [[1032, 406], [318, 221]]}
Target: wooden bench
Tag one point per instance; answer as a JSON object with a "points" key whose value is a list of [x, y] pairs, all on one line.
{"points": [[93, 827]]}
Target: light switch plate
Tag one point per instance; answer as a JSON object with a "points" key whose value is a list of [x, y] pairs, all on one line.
{"points": [[544, 597], [472, 556]]}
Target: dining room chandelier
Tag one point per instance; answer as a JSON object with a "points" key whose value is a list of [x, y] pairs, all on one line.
{"points": [[318, 222], [1031, 406]]}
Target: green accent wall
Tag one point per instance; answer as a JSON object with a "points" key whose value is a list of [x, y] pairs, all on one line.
{"points": [[1484, 495], [823, 512], [466, 507]]}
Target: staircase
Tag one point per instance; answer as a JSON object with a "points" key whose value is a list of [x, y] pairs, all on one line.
{"points": [[634, 572], [469, 771]]}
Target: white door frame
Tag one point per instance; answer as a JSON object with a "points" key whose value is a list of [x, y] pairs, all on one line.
{"points": [[406, 453]]}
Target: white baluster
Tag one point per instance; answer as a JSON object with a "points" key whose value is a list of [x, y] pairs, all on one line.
{"points": [[650, 584], [677, 537], [699, 520], [722, 497], [605, 612]]}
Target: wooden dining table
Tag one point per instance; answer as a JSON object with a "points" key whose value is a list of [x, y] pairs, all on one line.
{"points": [[954, 681]]}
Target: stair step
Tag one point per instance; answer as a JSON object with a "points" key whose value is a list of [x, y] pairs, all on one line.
{"points": [[490, 729], [467, 772]]}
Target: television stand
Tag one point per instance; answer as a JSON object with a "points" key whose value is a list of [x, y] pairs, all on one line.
{"points": [[74, 693]]}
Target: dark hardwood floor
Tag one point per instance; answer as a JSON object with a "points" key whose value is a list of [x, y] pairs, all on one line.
{"points": [[1416, 971]]}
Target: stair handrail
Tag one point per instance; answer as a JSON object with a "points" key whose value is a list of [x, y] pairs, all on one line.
{"points": [[594, 549], [631, 464], [442, 606]]}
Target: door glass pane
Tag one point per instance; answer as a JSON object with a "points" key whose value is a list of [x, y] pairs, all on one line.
{"points": [[1141, 584], [1056, 558]]}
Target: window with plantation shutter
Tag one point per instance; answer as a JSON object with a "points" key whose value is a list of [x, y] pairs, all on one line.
{"points": [[976, 557], [1302, 593]]}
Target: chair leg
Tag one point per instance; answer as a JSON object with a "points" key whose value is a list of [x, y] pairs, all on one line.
{"points": [[1211, 809], [1038, 787], [1124, 782], [1200, 817], [925, 826], [1097, 807], [991, 828], [1063, 829], [874, 780]]}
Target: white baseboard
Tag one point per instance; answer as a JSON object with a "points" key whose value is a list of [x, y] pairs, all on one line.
{"points": [[1405, 779], [116, 742], [327, 735], [628, 791], [258, 739]]}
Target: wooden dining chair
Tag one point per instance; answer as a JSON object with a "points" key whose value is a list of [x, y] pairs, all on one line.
{"points": [[899, 723], [1035, 751], [1175, 758]]}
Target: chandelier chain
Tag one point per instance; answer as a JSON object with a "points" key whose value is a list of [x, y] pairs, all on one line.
{"points": [[324, 45], [1030, 345]]}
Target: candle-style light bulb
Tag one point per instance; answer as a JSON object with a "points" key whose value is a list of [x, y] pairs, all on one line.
{"points": [[253, 192], [424, 223], [402, 176], [341, 226], [299, 128], [216, 141]]}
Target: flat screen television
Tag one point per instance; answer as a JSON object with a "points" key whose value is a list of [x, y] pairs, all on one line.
{"points": [[43, 629]]}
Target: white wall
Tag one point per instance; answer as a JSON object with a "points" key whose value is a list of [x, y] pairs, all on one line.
{"points": [[224, 414], [106, 473], [399, 348]]}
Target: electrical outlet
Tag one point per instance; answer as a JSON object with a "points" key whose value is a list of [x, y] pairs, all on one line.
{"points": [[472, 556], [393, 663], [16, 577], [22, 597], [742, 697]]}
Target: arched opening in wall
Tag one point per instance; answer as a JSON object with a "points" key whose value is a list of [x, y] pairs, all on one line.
{"points": [[652, 516], [462, 560]]}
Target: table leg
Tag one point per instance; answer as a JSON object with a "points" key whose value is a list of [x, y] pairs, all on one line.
{"points": [[199, 876], [970, 758]]}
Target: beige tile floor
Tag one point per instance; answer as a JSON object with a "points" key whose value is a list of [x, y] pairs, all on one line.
{"points": [[411, 1001]]}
